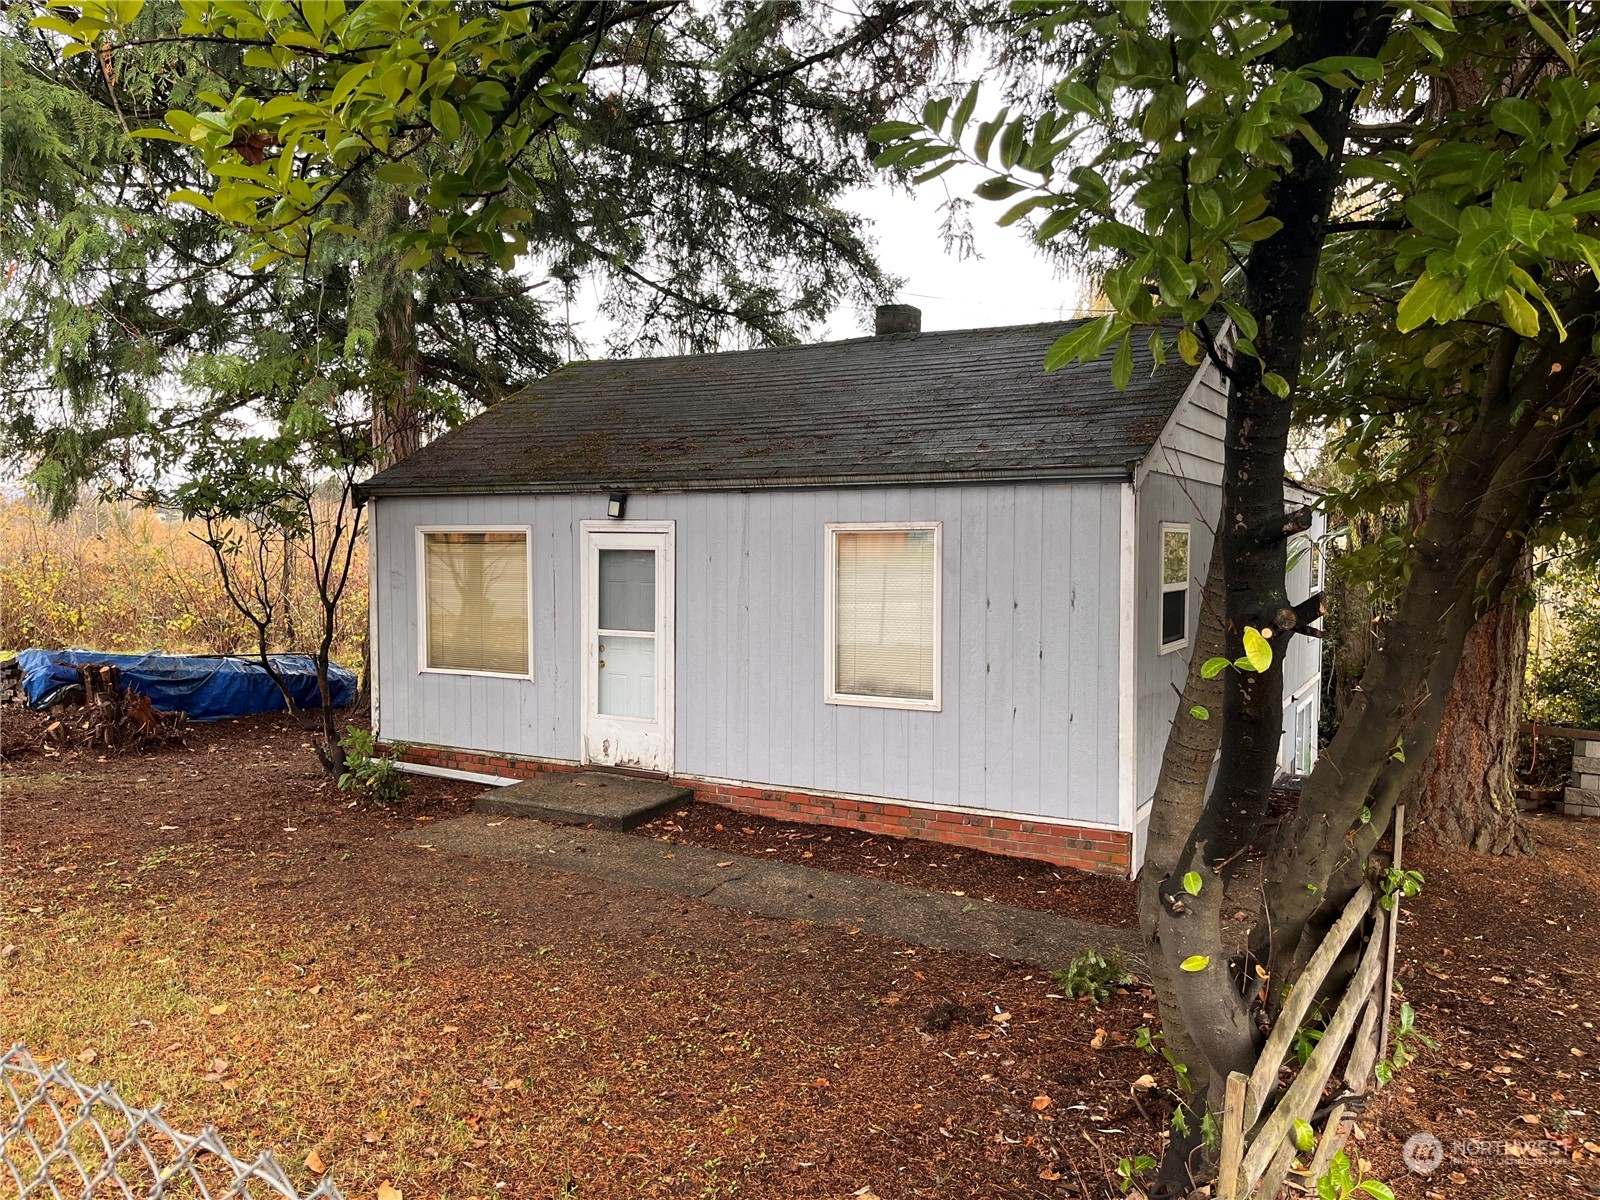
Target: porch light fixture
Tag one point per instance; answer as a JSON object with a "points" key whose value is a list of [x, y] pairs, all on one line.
{"points": [[617, 505]]}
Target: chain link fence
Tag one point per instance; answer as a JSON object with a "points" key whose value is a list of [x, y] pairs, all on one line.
{"points": [[65, 1139]]}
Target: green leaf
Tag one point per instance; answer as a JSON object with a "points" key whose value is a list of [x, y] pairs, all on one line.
{"points": [[1515, 115], [1276, 384], [445, 119], [190, 196], [963, 113], [1243, 318], [1213, 667], [1364, 69], [1438, 354], [1518, 313], [1431, 214], [1122, 364], [985, 135], [1189, 347], [1257, 649], [1195, 962], [401, 173], [1200, 712], [1377, 1189], [1258, 231], [1554, 40], [1305, 1137], [1423, 301], [997, 188], [892, 131], [1086, 342], [1192, 882]]}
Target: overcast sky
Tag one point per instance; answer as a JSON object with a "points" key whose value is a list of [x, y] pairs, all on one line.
{"points": [[1008, 282]]}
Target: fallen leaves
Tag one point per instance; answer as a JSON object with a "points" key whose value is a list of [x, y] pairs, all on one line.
{"points": [[388, 1191], [1040, 1103], [1098, 1041], [88, 1055], [315, 1164], [216, 1010]]}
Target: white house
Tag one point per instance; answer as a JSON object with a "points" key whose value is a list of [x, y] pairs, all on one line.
{"points": [[907, 583]]}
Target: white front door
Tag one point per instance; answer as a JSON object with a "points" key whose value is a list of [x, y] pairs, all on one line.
{"points": [[627, 644]]}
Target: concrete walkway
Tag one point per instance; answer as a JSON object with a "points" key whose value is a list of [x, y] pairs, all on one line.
{"points": [[782, 890]]}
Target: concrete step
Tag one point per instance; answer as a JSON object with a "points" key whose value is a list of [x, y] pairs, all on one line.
{"points": [[596, 798]]}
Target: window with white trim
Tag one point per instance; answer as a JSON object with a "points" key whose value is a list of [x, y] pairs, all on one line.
{"points": [[883, 614], [475, 601], [1174, 587], [1316, 567]]}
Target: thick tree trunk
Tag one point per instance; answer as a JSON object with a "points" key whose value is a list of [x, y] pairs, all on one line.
{"points": [[1465, 793], [396, 423], [1352, 618], [1467, 549], [1280, 277]]}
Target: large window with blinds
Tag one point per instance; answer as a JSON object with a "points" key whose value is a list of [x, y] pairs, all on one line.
{"points": [[882, 618], [475, 600]]}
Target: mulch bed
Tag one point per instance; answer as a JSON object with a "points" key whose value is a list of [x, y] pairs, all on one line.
{"points": [[1501, 959], [996, 878], [468, 1028], [475, 1028]]}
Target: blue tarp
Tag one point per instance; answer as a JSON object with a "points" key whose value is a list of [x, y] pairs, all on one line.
{"points": [[206, 688]]}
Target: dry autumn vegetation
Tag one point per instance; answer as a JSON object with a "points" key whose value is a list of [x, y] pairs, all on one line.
{"points": [[215, 928], [120, 577]]}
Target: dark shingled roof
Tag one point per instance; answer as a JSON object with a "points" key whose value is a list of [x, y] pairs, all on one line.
{"points": [[909, 408]]}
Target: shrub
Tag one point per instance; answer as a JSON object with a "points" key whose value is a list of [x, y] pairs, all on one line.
{"points": [[1092, 974], [376, 775], [1564, 667]]}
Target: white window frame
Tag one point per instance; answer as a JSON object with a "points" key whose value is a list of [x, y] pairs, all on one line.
{"points": [[1318, 565], [830, 616], [1166, 647], [422, 598], [1302, 708]]}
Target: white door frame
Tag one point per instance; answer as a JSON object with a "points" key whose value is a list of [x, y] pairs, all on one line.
{"points": [[652, 748]]}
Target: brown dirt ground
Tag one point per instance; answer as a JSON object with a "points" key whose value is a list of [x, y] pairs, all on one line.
{"points": [[1017, 881], [223, 931], [480, 1028], [1501, 958]]}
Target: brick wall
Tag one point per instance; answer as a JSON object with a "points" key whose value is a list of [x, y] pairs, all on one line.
{"points": [[1100, 851]]}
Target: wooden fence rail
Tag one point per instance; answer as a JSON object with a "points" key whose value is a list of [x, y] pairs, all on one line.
{"points": [[1258, 1144]]}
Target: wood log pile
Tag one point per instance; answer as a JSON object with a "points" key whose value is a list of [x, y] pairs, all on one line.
{"points": [[113, 717]]}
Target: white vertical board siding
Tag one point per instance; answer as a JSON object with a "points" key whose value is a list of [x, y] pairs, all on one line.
{"points": [[1160, 677], [1164, 497], [1302, 659], [1028, 723]]}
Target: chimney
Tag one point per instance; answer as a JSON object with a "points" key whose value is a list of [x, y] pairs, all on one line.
{"points": [[898, 318]]}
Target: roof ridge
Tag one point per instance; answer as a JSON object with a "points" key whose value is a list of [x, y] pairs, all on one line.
{"points": [[864, 339]]}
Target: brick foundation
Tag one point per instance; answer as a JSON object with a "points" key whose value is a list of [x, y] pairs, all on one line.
{"points": [[1099, 851]]}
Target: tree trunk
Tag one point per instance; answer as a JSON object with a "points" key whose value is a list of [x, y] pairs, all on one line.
{"points": [[1465, 793], [396, 424]]}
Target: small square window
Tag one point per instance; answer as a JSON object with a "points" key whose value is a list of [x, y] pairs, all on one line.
{"points": [[1174, 586]]}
